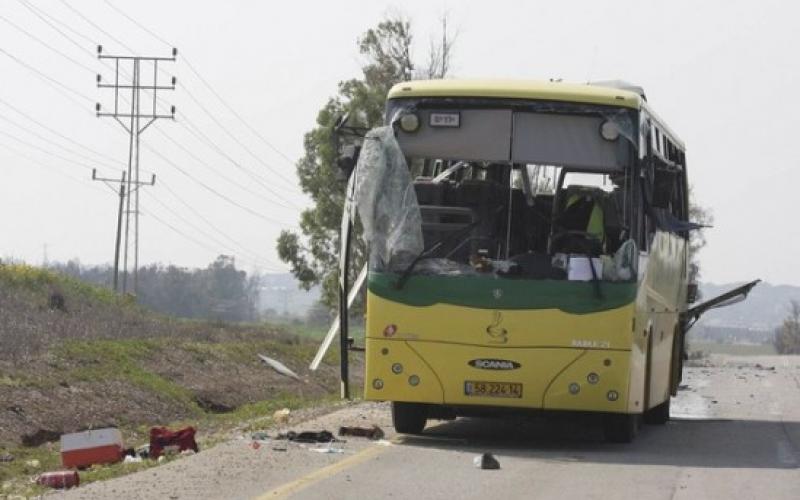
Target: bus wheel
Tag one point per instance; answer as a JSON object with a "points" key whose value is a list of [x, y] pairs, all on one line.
{"points": [[620, 427], [409, 418], [658, 415]]}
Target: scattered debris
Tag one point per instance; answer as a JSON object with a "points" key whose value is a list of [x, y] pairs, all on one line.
{"points": [[6, 457], [38, 438], [279, 447], [384, 442], [761, 367], [34, 463], [255, 445], [683, 387], [59, 479], [259, 436], [279, 367], [308, 437], [162, 438], [132, 459], [373, 432], [328, 449], [281, 416], [487, 461], [143, 451], [714, 401], [99, 446]]}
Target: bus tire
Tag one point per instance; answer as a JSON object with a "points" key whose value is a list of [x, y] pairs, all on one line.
{"points": [[620, 427], [409, 418], [658, 415]]}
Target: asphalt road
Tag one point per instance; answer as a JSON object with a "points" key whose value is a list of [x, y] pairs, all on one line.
{"points": [[735, 434]]}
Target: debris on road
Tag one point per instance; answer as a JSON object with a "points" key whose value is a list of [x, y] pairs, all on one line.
{"points": [[281, 416], [328, 450], [97, 446], [162, 439], [374, 432], [132, 459], [279, 447], [279, 367], [308, 437], [59, 479], [255, 445], [259, 436], [487, 461]]}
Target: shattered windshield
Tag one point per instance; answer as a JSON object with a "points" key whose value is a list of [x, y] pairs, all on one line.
{"points": [[469, 216]]}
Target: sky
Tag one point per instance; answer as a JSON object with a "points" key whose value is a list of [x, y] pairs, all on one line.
{"points": [[723, 74]]}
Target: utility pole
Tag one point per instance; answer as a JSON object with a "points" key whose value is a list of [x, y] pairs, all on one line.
{"points": [[122, 186], [134, 128]]}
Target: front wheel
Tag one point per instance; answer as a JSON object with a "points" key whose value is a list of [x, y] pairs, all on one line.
{"points": [[620, 427], [658, 415], [409, 418]]}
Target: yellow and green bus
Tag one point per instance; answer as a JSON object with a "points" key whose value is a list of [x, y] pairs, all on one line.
{"points": [[529, 251]]}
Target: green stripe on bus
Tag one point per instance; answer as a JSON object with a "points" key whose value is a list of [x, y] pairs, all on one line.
{"points": [[490, 292]]}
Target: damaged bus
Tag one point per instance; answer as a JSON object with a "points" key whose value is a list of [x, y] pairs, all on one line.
{"points": [[528, 251]]}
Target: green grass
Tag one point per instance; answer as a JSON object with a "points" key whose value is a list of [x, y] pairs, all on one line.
{"points": [[44, 281], [121, 360]]}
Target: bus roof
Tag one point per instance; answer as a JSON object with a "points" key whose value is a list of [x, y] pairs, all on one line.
{"points": [[518, 89]]}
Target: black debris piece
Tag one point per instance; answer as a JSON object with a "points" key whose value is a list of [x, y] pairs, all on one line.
{"points": [[308, 437], [373, 432]]}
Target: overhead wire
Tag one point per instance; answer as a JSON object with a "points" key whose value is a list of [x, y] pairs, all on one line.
{"points": [[216, 94], [61, 87]]}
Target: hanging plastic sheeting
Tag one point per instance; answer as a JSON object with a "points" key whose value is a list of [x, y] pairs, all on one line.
{"points": [[386, 202]]}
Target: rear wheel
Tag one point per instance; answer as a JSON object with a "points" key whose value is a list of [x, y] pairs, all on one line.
{"points": [[620, 427], [658, 415], [409, 418]]}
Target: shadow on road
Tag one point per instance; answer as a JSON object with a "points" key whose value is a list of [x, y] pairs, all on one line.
{"points": [[685, 443]]}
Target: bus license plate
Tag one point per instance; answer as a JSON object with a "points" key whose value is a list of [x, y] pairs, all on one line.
{"points": [[493, 389]]}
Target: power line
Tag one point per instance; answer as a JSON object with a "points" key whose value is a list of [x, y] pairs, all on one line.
{"points": [[44, 76], [227, 179], [200, 216], [45, 151], [203, 138], [49, 47], [129, 18], [252, 257], [240, 143], [217, 193], [57, 133], [98, 28], [50, 141], [208, 85]]}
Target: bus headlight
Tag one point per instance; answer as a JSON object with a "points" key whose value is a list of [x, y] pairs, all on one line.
{"points": [[409, 122], [609, 130]]}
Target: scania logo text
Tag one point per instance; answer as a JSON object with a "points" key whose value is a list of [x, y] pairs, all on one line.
{"points": [[494, 364]]}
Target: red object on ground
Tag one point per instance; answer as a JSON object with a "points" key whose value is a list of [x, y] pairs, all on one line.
{"points": [[59, 479], [98, 446], [161, 438]]}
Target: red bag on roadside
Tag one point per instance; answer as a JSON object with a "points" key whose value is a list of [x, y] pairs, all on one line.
{"points": [[161, 438]]}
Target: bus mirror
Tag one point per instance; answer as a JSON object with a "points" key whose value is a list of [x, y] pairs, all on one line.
{"points": [[346, 161]]}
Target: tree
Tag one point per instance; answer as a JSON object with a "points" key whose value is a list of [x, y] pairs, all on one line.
{"points": [[313, 252], [697, 238], [787, 336]]}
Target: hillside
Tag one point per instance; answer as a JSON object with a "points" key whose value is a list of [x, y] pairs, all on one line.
{"points": [[764, 309], [75, 356]]}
